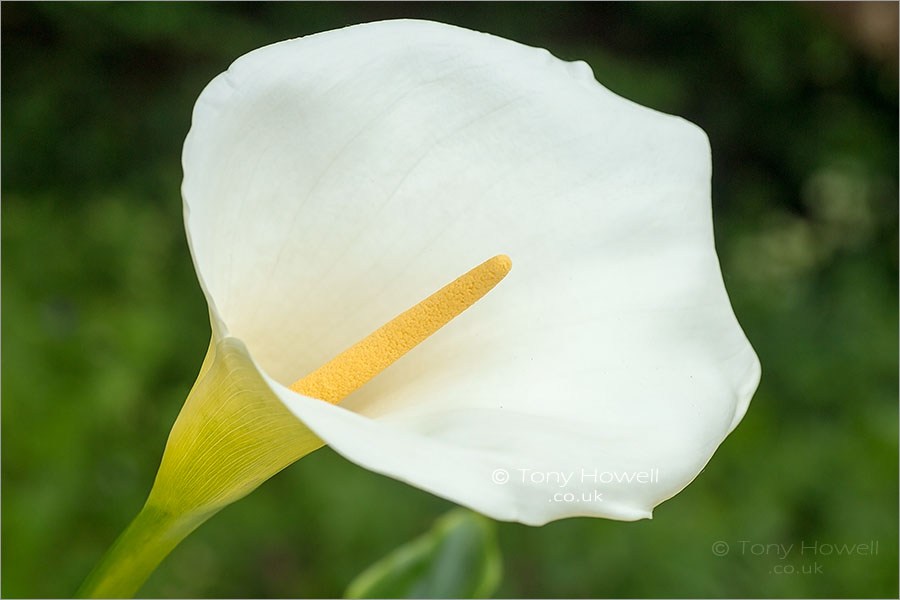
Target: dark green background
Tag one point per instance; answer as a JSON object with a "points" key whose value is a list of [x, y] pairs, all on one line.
{"points": [[104, 327]]}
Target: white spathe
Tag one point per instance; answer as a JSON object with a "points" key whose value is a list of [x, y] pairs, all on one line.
{"points": [[333, 181]]}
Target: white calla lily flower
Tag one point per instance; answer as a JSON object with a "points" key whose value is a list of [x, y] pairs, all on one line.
{"points": [[335, 180]]}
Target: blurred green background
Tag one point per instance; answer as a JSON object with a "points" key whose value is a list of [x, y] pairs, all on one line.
{"points": [[104, 326]]}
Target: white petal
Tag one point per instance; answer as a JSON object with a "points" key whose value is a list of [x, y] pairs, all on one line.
{"points": [[333, 181]]}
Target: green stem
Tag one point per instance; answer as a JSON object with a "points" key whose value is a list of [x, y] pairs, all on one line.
{"points": [[137, 552], [231, 435]]}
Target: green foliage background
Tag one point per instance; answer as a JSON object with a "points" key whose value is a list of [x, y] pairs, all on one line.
{"points": [[104, 327]]}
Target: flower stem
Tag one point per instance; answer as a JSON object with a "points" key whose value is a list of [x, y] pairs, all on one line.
{"points": [[137, 552]]}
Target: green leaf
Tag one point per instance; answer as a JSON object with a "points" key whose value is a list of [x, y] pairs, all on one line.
{"points": [[458, 558]]}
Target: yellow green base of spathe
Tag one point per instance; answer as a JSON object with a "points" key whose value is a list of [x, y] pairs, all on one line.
{"points": [[231, 435]]}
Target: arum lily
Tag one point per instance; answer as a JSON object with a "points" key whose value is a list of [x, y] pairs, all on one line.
{"points": [[333, 181]]}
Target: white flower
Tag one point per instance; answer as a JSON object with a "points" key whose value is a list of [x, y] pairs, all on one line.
{"points": [[335, 180]]}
